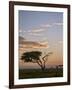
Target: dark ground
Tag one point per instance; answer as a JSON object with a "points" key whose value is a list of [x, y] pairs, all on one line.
{"points": [[38, 73]]}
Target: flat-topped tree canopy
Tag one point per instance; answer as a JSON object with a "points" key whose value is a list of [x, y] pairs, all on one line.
{"points": [[31, 56]]}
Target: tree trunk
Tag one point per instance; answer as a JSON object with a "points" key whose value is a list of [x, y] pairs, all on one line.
{"points": [[43, 68], [56, 71]]}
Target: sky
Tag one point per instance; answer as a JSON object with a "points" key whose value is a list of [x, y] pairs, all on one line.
{"points": [[43, 31]]}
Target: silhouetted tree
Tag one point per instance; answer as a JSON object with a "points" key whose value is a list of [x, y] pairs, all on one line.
{"points": [[34, 57]]}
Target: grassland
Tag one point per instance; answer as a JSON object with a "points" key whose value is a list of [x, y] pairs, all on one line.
{"points": [[38, 73]]}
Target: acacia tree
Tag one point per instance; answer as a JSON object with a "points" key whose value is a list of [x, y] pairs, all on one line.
{"points": [[35, 57]]}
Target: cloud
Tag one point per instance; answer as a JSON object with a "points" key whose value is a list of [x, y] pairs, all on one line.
{"points": [[41, 28], [20, 31], [52, 24], [37, 30], [46, 25], [60, 42], [28, 31], [58, 24], [23, 31], [44, 42], [35, 34], [31, 44]]}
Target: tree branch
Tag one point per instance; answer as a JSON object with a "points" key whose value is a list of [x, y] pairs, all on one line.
{"points": [[46, 56], [39, 64]]}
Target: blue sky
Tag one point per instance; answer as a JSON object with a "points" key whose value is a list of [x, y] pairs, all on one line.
{"points": [[45, 27], [32, 20]]}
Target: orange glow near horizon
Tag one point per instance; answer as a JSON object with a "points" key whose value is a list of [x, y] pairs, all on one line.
{"points": [[55, 59]]}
